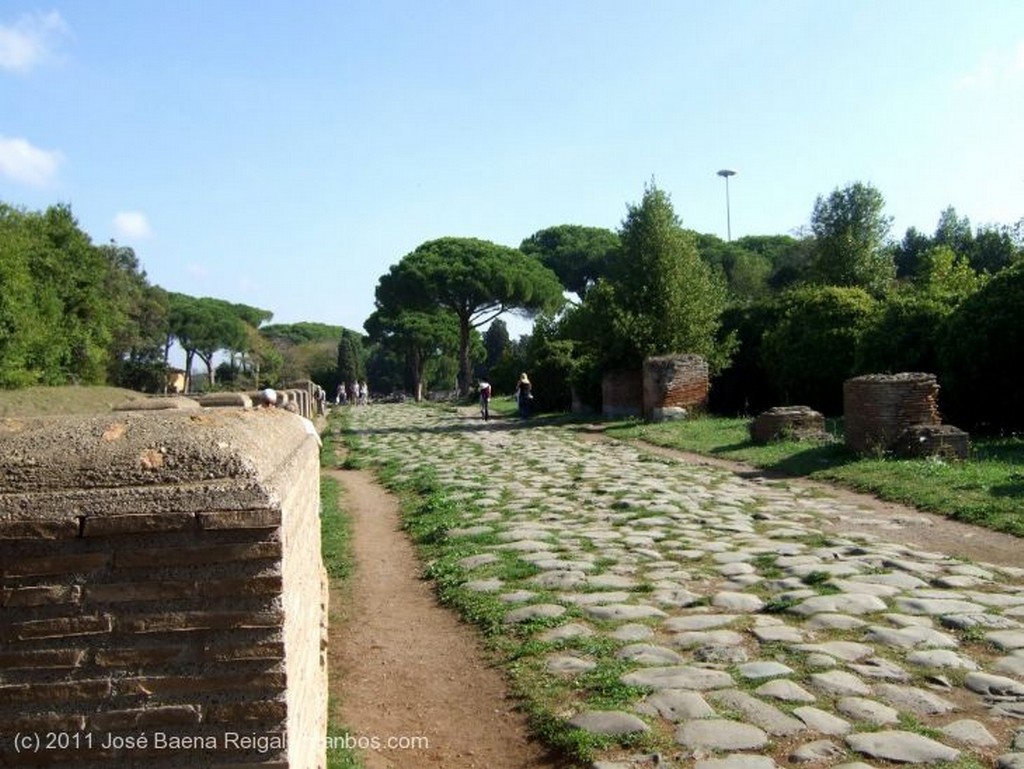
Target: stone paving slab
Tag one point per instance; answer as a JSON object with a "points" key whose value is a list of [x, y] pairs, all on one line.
{"points": [[737, 619]]}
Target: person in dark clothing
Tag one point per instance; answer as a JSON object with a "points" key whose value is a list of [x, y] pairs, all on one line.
{"points": [[524, 394]]}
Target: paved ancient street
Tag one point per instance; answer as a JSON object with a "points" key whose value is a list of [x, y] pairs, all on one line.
{"points": [[757, 637]]}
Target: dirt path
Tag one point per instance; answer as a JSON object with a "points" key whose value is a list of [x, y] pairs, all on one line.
{"points": [[406, 670]]}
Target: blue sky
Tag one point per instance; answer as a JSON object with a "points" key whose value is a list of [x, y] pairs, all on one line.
{"points": [[285, 154]]}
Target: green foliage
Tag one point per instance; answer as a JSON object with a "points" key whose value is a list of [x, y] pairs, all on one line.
{"points": [[577, 255], [811, 351], [851, 234], [746, 272], [203, 326], [496, 340], [416, 338], [475, 280], [903, 336], [60, 311], [659, 296], [744, 387], [981, 388], [351, 359], [666, 299], [943, 273], [297, 333]]}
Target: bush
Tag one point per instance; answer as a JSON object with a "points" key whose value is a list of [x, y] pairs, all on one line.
{"points": [[903, 336], [979, 352], [742, 388], [811, 351]]}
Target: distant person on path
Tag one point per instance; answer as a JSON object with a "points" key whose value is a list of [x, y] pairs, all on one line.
{"points": [[524, 394], [320, 396], [485, 399], [353, 393], [340, 396]]}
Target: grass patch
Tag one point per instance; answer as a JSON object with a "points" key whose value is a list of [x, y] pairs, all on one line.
{"points": [[986, 490], [73, 399]]}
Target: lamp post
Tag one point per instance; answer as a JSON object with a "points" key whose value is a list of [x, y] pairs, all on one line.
{"points": [[725, 173]]}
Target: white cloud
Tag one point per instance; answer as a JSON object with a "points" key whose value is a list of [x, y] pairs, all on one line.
{"points": [[995, 70], [31, 40], [21, 162], [131, 225]]}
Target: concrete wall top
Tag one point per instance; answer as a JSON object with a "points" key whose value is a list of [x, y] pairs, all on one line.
{"points": [[226, 459]]}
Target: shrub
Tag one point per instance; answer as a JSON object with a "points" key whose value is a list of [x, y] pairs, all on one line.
{"points": [[979, 351], [811, 351]]}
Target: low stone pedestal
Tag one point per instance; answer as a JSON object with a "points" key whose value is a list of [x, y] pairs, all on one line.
{"points": [[800, 423], [944, 441]]}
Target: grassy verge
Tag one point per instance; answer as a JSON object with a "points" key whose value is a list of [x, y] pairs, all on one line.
{"points": [[986, 490], [517, 649], [47, 401], [336, 549]]}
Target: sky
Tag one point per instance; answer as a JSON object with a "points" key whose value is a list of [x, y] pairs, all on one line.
{"points": [[286, 154]]}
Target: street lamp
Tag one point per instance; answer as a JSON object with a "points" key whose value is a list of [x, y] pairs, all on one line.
{"points": [[725, 173]]}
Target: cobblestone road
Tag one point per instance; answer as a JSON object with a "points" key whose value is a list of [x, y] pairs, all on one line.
{"points": [[757, 639]]}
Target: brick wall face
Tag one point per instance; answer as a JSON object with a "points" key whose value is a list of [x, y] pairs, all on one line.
{"points": [[161, 592], [877, 408], [675, 381]]}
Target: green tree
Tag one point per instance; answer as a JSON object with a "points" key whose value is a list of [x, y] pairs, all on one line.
{"points": [[577, 255], [496, 339], [811, 351], [351, 357], [907, 252], [58, 315], [203, 326], [904, 335], [416, 337], [746, 272], [993, 249], [851, 235], [659, 297], [944, 274], [477, 281]]}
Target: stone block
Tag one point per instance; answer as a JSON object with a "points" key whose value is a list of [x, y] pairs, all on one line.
{"points": [[668, 414], [61, 563], [800, 423], [142, 523], [196, 555], [225, 400], [36, 530], [57, 627], [39, 595], [240, 519], [944, 441], [170, 560]]}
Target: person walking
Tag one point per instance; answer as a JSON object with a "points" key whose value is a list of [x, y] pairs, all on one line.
{"points": [[524, 394], [485, 399]]}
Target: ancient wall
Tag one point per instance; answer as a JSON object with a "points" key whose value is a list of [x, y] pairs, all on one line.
{"points": [[877, 408], [162, 598], [676, 383], [622, 394]]}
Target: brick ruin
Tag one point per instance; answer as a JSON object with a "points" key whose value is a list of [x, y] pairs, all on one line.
{"points": [[162, 596], [667, 387], [674, 385], [880, 409], [800, 423]]}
